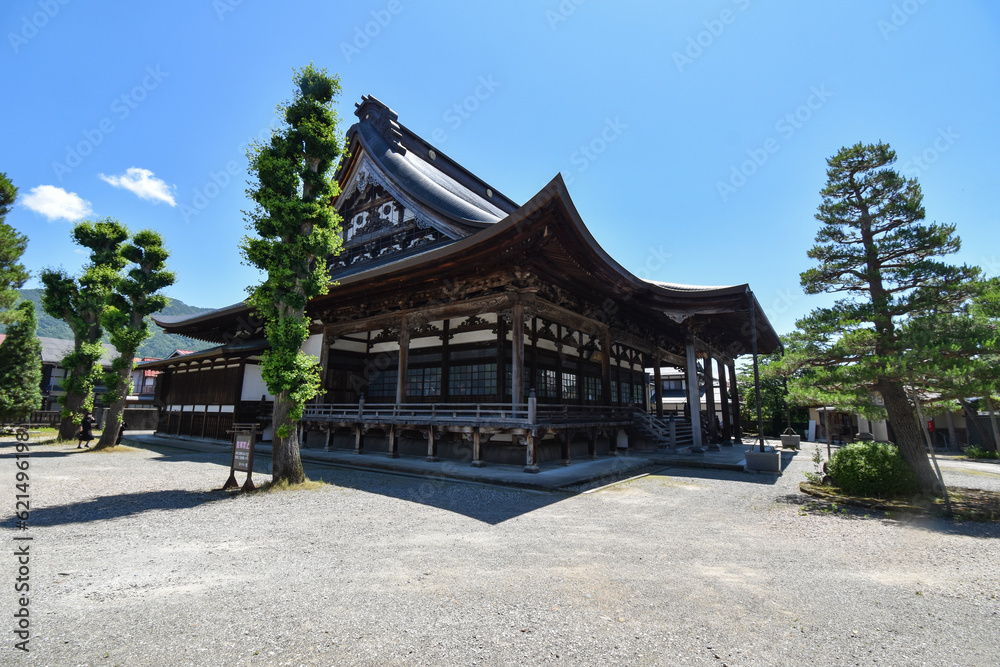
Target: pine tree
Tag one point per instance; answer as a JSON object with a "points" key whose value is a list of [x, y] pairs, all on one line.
{"points": [[20, 366], [874, 247], [297, 228]]}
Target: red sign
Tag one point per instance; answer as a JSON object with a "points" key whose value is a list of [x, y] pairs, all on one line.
{"points": [[930, 425]]}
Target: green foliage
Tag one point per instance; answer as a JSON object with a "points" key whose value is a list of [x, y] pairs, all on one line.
{"points": [[12, 245], [816, 476], [20, 366], [80, 303], [297, 228], [958, 355], [775, 403], [874, 469], [135, 296], [976, 452]]}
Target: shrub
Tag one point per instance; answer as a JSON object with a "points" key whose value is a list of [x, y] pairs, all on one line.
{"points": [[976, 452], [872, 469]]}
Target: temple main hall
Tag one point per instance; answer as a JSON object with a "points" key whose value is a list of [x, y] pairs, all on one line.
{"points": [[464, 326]]}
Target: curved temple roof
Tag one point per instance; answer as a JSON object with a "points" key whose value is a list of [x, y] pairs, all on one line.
{"points": [[549, 220]]}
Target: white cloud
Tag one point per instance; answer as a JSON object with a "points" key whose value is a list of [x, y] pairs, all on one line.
{"points": [[143, 184], [57, 204]]}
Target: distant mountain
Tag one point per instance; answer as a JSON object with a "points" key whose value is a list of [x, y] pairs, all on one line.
{"points": [[159, 345]]}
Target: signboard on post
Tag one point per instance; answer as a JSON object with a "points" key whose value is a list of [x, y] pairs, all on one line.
{"points": [[244, 437]]}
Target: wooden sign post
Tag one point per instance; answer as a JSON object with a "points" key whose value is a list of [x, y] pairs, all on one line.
{"points": [[244, 436]]}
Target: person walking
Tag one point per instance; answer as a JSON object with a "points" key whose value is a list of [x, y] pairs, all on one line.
{"points": [[86, 430]]}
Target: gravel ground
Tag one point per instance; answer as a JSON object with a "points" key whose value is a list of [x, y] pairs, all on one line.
{"points": [[136, 561]]}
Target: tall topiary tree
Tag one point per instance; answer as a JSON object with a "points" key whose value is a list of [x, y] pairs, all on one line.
{"points": [[874, 247], [20, 366], [297, 227], [80, 304], [12, 245], [134, 297]]}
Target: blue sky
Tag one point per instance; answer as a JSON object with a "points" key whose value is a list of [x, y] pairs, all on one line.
{"points": [[693, 135]]}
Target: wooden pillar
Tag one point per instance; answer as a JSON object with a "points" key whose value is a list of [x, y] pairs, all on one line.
{"points": [[606, 368], [359, 438], [530, 453], [326, 444], [713, 430], [477, 449], [592, 443], [724, 397], [694, 400], [324, 356], [431, 445], [533, 373], [393, 443], [658, 383], [404, 360], [565, 444], [517, 356], [737, 429], [559, 364], [952, 440], [445, 362], [501, 358]]}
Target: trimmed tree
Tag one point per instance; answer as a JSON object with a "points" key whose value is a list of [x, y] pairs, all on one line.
{"points": [[13, 275], [874, 247], [297, 228], [135, 297], [80, 304], [20, 366]]}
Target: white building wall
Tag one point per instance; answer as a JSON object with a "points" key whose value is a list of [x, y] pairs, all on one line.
{"points": [[253, 385]]}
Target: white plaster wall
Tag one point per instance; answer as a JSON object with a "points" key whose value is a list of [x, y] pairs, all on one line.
{"points": [[313, 345], [253, 385]]}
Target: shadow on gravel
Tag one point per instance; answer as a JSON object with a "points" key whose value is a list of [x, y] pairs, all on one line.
{"points": [[113, 507], [765, 478], [490, 504], [809, 505]]}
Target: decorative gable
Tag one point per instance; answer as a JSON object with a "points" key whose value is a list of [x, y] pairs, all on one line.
{"points": [[377, 225]]}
